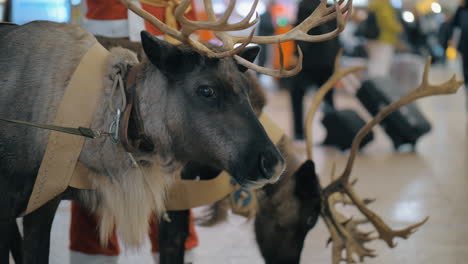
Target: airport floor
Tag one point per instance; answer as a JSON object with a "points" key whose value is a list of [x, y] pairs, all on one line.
{"points": [[432, 182]]}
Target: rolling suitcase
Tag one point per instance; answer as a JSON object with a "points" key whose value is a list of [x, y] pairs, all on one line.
{"points": [[404, 126], [342, 126]]}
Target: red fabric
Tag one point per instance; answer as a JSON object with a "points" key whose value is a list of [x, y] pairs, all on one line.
{"points": [[159, 12], [84, 237], [113, 9], [105, 10]]}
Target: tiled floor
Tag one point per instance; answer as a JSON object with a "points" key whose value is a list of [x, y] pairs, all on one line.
{"points": [[408, 186]]}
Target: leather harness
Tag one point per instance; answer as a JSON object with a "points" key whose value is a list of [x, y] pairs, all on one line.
{"points": [[132, 130], [132, 134]]}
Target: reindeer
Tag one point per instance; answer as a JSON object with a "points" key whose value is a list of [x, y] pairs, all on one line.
{"points": [[289, 209], [187, 102]]}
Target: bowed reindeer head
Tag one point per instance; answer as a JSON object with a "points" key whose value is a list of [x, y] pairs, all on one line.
{"points": [[289, 211]]}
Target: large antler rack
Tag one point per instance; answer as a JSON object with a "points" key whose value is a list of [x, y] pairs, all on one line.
{"points": [[344, 233], [338, 74], [321, 14]]}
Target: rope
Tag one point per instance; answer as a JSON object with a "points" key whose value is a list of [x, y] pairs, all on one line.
{"points": [[118, 81]]}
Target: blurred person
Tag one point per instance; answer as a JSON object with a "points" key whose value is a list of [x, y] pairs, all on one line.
{"points": [[318, 65], [460, 20], [109, 18], [381, 50], [352, 42], [7, 6], [415, 33], [444, 34], [265, 28]]}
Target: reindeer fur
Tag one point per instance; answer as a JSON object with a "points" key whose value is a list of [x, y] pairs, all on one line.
{"points": [[40, 59]]}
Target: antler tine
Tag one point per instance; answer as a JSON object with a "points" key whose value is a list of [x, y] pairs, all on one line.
{"points": [[280, 73], [152, 19], [338, 74], [189, 26], [228, 43], [342, 184], [386, 233], [344, 232], [198, 46], [300, 32], [424, 90], [320, 15]]}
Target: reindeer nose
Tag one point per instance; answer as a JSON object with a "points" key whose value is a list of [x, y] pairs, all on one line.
{"points": [[267, 163]]}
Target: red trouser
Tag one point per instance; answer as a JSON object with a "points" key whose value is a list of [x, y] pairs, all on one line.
{"points": [[84, 237]]}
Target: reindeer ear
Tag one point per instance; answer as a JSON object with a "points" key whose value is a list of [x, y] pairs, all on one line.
{"points": [[167, 57], [249, 53], [307, 182]]}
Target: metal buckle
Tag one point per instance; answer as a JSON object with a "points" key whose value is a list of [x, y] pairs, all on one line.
{"points": [[114, 128]]}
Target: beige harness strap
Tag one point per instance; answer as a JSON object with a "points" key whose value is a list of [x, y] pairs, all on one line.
{"points": [[186, 194], [76, 109]]}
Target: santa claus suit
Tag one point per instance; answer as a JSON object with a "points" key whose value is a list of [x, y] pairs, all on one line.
{"points": [[110, 18]]}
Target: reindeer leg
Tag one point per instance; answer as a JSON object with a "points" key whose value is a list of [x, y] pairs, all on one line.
{"points": [[4, 243], [16, 243], [173, 232], [37, 226], [10, 240]]}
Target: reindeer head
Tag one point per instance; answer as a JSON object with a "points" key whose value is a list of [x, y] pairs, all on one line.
{"points": [[202, 112], [284, 220]]}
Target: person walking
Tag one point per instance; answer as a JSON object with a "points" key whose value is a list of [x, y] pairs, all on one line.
{"points": [[110, 18], [318, 65], [382, 49]]}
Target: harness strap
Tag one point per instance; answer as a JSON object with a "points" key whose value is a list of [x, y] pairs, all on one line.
{"points": [[77, 108], [132, 130], [80, 131]]}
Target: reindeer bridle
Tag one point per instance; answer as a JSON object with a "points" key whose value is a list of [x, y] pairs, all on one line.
{"points": [[131, 133]]}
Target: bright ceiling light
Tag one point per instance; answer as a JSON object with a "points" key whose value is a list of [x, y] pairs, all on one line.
{"points": [[436, 8], [243, 8], [219, 7], [408, 17]]}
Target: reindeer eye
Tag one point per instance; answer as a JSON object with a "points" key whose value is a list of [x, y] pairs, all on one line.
{"points": [[205, 91], [310, 220]]}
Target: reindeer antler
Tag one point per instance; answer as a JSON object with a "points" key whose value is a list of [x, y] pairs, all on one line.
{"points": [[346, 235], [188, 26], [321, 15], [338, 74]]}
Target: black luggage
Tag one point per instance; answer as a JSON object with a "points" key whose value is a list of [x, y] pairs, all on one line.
{"points": [[404, 126], [342, 126]]}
